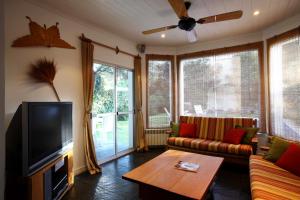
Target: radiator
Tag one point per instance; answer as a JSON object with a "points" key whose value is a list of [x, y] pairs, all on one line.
{"points": [[156, 137]]}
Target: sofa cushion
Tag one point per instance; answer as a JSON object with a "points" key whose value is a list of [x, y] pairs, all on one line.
{"points": [[250, 133], [278, 147], [234, 136], [271, 182], [211, 145], [214, 128], [187, 130], [290, 159]]}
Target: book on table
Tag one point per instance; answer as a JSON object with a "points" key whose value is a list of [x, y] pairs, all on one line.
{"points": [[187, 166]]}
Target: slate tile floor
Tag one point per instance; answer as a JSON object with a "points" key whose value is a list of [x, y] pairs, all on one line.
{"points": [[232, 183]]}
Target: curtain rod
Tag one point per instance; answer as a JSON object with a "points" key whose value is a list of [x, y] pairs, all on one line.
{"points": [[116, 49]]}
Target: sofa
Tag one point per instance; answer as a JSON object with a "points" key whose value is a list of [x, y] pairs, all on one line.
{"points": [[271, 182], [209, 135]]}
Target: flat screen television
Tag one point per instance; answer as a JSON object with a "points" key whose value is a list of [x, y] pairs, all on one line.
{"points": [[38, 133]]}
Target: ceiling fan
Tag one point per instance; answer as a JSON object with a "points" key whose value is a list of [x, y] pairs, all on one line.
{"points": [[188, 24]]}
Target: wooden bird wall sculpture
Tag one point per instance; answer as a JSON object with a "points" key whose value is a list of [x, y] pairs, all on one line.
{"points": [[41, 36]]}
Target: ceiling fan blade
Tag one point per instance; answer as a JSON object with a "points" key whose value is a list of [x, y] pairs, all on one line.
{"points": [[159, 29], [221, 17], [192, 35], [179, 8]]}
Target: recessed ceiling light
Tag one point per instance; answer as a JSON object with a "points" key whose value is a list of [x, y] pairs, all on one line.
{"points": [[163, 35], [256, 13]]}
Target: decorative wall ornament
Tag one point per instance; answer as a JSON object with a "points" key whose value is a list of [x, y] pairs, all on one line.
{"points": [[41, 36], [44, 72]]}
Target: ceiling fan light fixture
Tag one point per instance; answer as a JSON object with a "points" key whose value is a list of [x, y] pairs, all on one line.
{"points": [[255, 13], [192, 36]]}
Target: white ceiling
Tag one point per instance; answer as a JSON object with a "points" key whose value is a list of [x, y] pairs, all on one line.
{"points": [[128, 18]]}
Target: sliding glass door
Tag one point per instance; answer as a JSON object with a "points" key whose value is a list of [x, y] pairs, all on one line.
{"points": [[112, 111], [124, 103]]}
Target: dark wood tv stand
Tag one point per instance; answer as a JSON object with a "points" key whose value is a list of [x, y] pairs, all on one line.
{"points": [[36, 182], [51, 182]]}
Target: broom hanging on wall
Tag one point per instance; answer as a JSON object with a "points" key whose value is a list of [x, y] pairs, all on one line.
{"points": [[44, 72]]}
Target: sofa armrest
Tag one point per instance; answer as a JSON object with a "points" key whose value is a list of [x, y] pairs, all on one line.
{"points": [[264, 148], [170, 133], [254, 142]]}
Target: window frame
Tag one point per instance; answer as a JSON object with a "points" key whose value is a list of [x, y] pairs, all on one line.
{"points": [[271, 41], [259, 46], [157, 57]]}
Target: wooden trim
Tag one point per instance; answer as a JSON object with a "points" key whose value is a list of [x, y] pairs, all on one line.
{"points": [[239, 48], [115, 49], [163, 58], [268, 85], [284, 36], [262, 87], [178, 61], [271, 41], [244, 47]]}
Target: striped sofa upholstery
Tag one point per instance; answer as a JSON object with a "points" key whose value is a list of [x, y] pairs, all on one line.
{"points": [[211, 145], [213, 128], [209, 135], [270, 182]]}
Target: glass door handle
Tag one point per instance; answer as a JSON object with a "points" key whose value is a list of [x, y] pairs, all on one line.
{"points": [[124, 113]]}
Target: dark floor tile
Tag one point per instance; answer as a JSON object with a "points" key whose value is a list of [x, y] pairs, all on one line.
{"points": [[231, 182]]}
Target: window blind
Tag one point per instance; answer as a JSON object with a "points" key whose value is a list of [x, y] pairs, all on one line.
{"points": [[159, 93], [284, 76], [223, 85]]}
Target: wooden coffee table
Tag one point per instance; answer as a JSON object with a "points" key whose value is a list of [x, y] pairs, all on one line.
{"points": [[159, 179]]}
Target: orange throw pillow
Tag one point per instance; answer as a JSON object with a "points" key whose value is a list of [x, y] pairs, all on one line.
{"points": [[187, 130], [290, 159], [234, 136]]}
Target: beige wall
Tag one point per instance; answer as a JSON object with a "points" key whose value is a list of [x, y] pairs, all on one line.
{"points": [[68, 80]]}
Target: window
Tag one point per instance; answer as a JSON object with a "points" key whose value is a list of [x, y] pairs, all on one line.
{"points": [[159, 91], [222, 83], [284, 84]]}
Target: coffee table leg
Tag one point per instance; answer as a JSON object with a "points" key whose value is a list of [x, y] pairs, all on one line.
{"points": [[147, 192], [209, 195]]}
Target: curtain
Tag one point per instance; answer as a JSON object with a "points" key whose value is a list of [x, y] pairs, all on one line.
{"points": [[139, 122], [87, 50], [284, 79]]}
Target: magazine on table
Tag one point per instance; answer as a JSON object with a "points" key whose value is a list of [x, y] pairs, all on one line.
{"points": [[187, 166]]}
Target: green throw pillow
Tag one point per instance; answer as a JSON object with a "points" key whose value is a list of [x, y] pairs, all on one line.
{"points": [[278, 147], [175, 129], [250, 133]]}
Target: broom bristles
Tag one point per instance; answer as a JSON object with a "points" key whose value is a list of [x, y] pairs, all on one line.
{"points": [[43, 71]]}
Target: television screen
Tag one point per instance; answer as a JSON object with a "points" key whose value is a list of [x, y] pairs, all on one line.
{"points": [[49, 129]]}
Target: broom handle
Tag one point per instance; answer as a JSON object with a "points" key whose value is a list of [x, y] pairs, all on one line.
{"points": [[56, 94]]}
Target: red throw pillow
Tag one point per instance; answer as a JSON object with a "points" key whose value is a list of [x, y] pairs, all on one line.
{"points": [[290, 159], [187, 130], [234, 136]]}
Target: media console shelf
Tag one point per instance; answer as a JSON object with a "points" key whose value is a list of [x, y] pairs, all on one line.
{"points": [[52, 181]]}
